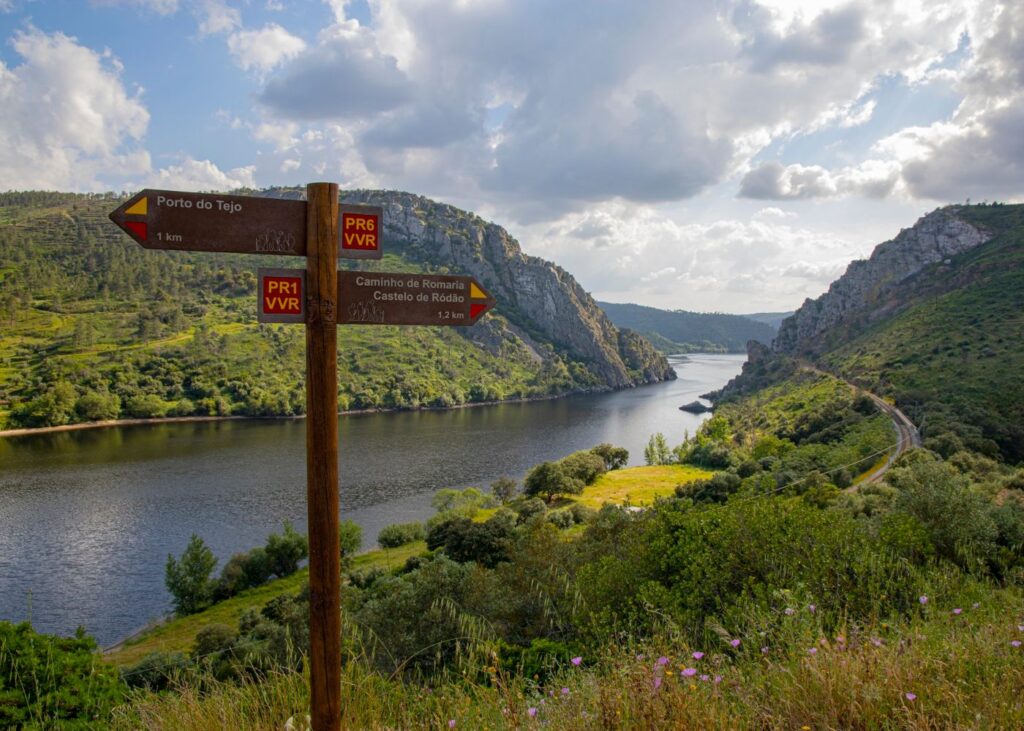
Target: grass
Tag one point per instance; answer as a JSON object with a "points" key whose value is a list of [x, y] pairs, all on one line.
{"points": [[179, 634], [962, 671], [638, 485]]}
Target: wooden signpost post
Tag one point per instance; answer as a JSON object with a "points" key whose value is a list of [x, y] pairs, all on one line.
{"points": [[321, 297]]}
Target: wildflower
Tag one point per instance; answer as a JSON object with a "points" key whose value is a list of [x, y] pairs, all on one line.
{"points": [[1015, 643], [693, 687], [923, 599], [639, 657], [813, 651], [451, 723], [764, 650], [698, 655], [876, 642], [718, 679], [734, 643], [812, 607], [805, 728], [705, 678], [663, 660], [532, 711], [690, 672], [577, 660], [1020, 627], [565, 691], [790, 611], [840, 639], [958, 610], [657, 683], [911, 696], [975, 605]]}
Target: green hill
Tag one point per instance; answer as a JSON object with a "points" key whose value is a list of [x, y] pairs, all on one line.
{"points": [[93, 327], [678, 331], [933, 320]]}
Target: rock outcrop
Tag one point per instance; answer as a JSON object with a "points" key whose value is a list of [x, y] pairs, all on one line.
{"points": [[870, 289], [541, 301]]}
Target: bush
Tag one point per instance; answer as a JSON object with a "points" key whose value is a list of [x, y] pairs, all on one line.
{"points": [[147, 406], [504, 489], [549, 479], [465, 503], [715, 489], [97, 406], [157, 671], [350, 540], [463, 540], [613, 457], [188, 579], [583, 466], [959, 521], [529, 508], [399, 534], [561, 519], [54, 682], [285, 551], [581, 513]]}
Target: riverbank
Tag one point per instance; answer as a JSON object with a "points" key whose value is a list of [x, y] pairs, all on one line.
{"points": [[297, 417]]}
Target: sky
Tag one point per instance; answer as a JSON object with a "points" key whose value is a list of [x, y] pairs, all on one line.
{"points": [[725, 155]]}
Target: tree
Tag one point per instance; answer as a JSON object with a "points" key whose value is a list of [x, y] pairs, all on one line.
{"points": [[350, 539], [614, 457], [285, 551], [549, 479], [188, 578], [504, 489], [656, 452], [399, 534]]}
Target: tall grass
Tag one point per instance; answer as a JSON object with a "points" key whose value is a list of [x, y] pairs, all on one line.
{"points": [[960, 671]]}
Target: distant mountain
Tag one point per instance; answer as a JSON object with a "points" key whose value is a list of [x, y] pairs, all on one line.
{"points": [[94, 327], [933, 319], [678, 331], [771, 319]]}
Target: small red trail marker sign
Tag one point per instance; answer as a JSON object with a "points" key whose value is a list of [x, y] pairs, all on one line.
{"points": [[382, 298], [282, 295], [360, 231]]}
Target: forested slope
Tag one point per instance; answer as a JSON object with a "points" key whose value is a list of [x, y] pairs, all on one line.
{"points": [[93, 327]]}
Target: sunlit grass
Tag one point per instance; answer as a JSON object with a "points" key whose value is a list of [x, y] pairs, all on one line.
{"points": [[638, 485]]}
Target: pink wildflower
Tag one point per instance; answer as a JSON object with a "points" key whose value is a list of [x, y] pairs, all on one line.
{"points": [[958, 610], [813, 651], [790, 611], [764, 650], [812, 607], [698, 655], [577, 660], [734, 643], [705, 678], [718, 679], [911, 696], [923, 599], [1015, 643], [532, 711], [657, 683], [565, 691], [690, 672], [451, 723], [663, 660]]}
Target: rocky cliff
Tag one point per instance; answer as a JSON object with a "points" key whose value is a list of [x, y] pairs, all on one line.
{"points": [[870, 290], [541, 301]]}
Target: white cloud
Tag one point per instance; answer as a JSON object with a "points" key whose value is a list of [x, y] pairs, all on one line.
{"points": [[774, 181], [642, 254], [160, 7], [65, 117], [202, 175], [263, 49], [216, 16]]}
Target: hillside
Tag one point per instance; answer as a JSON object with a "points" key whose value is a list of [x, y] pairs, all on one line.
{"points": [[96, 328], [678, 331], [933, 320]]}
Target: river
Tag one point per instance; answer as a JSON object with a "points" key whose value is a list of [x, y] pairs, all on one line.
{"points": [[87, 518]]}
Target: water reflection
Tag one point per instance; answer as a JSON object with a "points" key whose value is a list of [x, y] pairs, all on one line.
{"points": [[87, 518]]}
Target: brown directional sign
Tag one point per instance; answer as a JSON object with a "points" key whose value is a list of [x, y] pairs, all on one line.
{"points": [[167, 219], [382, 298]]}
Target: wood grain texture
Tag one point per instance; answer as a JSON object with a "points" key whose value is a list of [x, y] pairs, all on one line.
{"points": [[322, 456]]}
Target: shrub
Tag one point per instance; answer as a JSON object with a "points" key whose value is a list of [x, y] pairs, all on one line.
{"points": [[613, 457], [583, 466], [285, 551], [504, 489], [561, 519], [156, 671], [54, 682], [529, 508], [549, 479], [350, 540], [581, 513], [463, 540], [399, 534], [98, 406], [188, 579]]}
